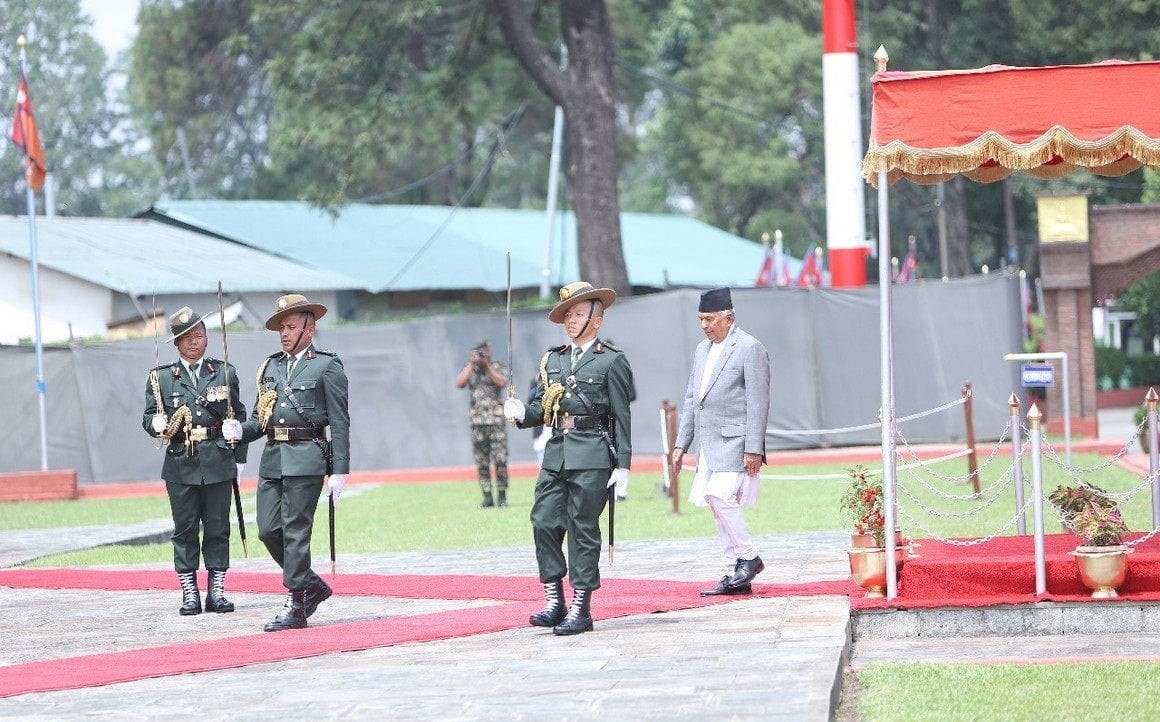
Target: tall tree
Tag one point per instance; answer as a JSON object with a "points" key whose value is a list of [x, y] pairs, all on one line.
{"points": [[200, 91], [586, 92], [90, 149], [740, 131]]}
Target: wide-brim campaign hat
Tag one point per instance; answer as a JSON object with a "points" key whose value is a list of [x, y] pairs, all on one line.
{"points": [[574, 293], [293, 303], [182, 322]]}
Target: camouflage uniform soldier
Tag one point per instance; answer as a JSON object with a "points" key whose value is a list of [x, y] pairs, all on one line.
{"points": [[486, 379]]}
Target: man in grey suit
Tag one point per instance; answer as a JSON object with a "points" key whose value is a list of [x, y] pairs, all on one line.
{"points": [[726, 409]]}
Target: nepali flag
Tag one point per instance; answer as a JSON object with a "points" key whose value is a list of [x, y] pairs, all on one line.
{"points": [[811, 273], [24, 135], [765, 275]]}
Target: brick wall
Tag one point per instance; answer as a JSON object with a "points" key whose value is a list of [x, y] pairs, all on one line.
{"points": [[38, 485]]}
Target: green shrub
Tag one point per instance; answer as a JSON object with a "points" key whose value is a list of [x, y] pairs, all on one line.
{"points": [[1144, 370], [1110, 365]]}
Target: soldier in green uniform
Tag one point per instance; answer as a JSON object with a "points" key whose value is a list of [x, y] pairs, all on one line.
{"points": [[302, 413], [186, 403], [485, 379], [583, 395]]}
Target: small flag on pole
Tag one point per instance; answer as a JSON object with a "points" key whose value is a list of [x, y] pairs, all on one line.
{"points": [[765, 275], [24, 135], [811, 273]]}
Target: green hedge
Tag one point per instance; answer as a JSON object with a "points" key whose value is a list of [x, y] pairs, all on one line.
{"points": [[1110, 366], [1143, 370]]}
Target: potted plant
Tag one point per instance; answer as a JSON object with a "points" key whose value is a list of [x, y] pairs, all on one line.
{"points": [[862, 502], [1095, 517]]}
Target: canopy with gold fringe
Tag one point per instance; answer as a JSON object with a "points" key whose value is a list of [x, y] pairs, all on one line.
{"points": [[990, 122]]}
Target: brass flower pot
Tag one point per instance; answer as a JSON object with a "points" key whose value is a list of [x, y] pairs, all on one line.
{"points": [[868, 567], [1102, 569]]}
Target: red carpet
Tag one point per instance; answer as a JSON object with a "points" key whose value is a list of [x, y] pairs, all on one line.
{"points": [[1002, 571], [523, 596]]}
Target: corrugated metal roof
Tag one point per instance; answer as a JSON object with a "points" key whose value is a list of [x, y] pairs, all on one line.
{"points": [[397, 248], [139, 257]]}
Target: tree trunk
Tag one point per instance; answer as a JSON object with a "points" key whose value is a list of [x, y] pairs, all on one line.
{"points": [[587, 94]]}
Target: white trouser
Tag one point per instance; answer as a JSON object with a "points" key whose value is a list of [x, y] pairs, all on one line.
{"points": [[731, 528]]}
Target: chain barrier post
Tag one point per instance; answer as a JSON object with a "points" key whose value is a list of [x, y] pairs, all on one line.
{"points": [[1017, 465], [1153, 454], [1033, 419], [972, 457]]}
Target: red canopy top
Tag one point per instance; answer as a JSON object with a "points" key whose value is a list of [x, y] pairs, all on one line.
{"points": [[990, 122]]}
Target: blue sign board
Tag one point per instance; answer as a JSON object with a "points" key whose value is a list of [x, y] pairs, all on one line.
{"points": [[1038, 375]]}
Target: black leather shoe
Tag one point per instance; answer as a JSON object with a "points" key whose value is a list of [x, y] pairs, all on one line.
{"points": [[190, 607], [502, 500], [292, 616], [745, 571], [573, 624], [725, 588], [220, 604], [488, 501], [317, 592]]}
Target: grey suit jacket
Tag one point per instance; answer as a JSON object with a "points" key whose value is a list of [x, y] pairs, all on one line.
{"points": [[731, 418]]}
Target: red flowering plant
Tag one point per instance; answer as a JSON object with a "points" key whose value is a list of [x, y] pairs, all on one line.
{"points": [[863, 502]]}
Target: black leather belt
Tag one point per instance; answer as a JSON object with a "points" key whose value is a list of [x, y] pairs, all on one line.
{"points": [[294, 433], [580, 421]]}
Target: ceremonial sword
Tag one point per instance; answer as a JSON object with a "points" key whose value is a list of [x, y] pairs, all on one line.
{"points": [[511, 371], [230, 415]]}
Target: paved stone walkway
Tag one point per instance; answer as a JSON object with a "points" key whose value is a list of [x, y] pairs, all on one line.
{"points": [[753, 659]]}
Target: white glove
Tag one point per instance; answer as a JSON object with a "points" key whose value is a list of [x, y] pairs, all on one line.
{"points": [[334, 484], [232, 430], [619, 476], [513, 410], [159, 423], [241, 468]]}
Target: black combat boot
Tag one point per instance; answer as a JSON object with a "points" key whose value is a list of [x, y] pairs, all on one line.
{"points": [[190, 595], [578, 619], [554, 609], [502, 501], [293, 614], [317, 592], [215, 596], [487, 500]]}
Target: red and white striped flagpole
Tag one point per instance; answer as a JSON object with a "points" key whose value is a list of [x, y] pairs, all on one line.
{"points": [[841, 109]]}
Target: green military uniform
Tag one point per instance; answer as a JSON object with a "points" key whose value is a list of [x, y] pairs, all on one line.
{"points": [[199, 464], [571, 490], [302, 413], [294, 462], [489, 443]]}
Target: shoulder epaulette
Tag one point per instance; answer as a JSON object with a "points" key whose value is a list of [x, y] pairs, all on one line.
{"points": [[169, 365], [557, 349], [601, 345], [325, 352], [276, 356]]}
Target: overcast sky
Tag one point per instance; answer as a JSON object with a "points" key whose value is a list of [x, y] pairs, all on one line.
{"points": [[114, 22]]}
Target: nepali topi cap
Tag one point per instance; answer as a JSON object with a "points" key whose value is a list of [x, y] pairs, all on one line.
{"points": [[718, 299]]}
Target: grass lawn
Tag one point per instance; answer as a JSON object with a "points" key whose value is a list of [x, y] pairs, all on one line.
{"points": [[906, 692], [444, 516]]}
